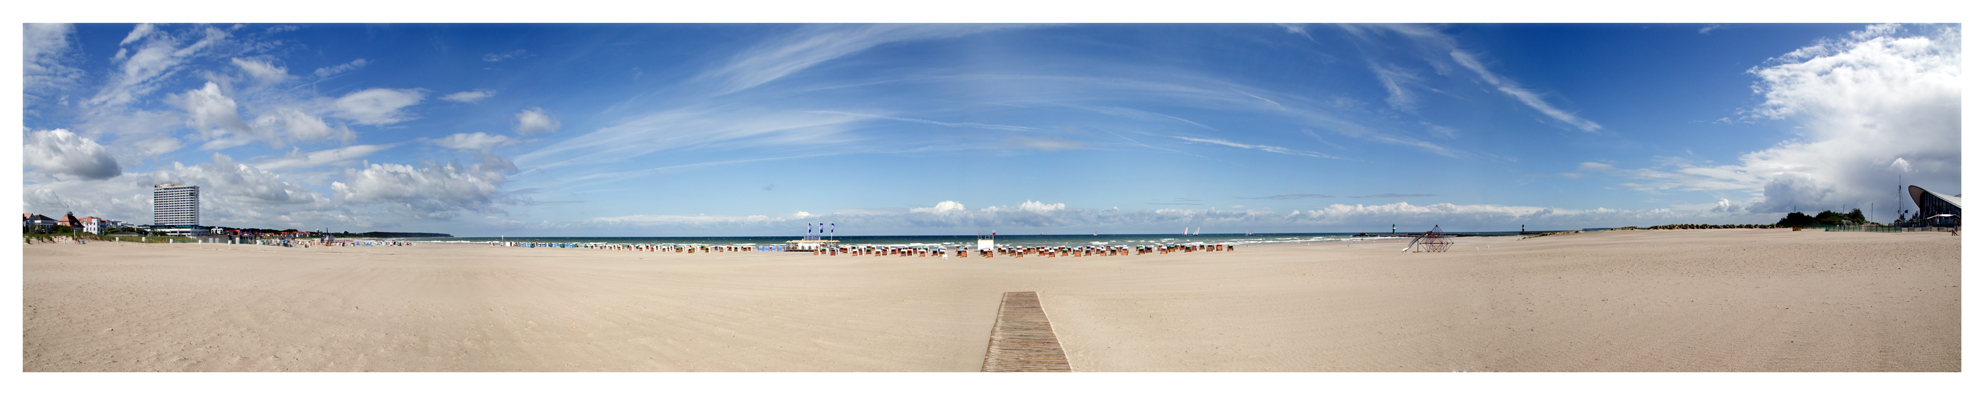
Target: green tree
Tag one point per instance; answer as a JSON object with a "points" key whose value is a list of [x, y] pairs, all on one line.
{"points": [[1796, 219]]}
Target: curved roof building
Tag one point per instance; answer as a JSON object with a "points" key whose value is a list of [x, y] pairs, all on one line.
{"points": [[1930, 204]]}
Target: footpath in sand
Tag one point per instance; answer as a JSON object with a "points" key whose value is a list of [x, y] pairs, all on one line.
{"points": [[1696, 300]]}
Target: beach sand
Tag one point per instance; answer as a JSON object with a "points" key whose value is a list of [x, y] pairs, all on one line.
{"points": [[1676, 300]]}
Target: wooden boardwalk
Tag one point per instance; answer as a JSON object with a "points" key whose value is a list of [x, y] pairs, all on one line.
{"points": [[1022, 339]]}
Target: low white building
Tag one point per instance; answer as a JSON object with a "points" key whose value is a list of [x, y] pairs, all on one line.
{"points": [[94, 225]]}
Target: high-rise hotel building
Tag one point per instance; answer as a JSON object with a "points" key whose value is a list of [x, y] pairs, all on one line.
{"points": [[176, 208]]}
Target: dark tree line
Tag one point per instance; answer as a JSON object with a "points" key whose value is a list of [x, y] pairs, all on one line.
{"points": [[1828, 217]]}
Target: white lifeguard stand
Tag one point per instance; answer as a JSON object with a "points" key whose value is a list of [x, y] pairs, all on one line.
{"points": [[812, 242], [811, 245], [985, 243]]}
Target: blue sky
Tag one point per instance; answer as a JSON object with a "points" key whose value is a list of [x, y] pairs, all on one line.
{"points": [[759, 129]]}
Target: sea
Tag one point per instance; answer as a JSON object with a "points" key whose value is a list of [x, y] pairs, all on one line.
{"points": [[961, 240]]}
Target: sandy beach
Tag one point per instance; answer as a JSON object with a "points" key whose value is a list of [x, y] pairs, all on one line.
{"points": [[1674, 300]]}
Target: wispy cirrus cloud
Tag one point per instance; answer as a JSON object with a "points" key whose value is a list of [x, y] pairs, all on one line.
{"points": [[1293, 196], [1527, 97], [1266, 148], [469, 96], [1141, 114], [814, 44], [261, 71], [1297, 29], [335, 156], [502, 56], [328, 71], [48, 50], [1398, 84], [1010, 128], [693, 128], [1395, 195], [158, 55], [1049, 144], [599, 178], [1174, 202], [1434, 43], [1676, 174], [1277, 105]]}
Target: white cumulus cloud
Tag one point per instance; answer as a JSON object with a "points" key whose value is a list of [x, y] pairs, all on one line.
{"points": [[261, 71], [210, 111], [283, 124], [215, 115], [427, 191], [944, 207], [472, 142], [63, 153], [1876, 107], [534, 121], [377, 106], [231, 194]]}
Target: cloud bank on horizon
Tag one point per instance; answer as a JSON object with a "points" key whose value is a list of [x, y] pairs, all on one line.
{"points": [[950, 128]]}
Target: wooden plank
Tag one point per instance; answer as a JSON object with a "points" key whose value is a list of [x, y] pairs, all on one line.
{"points": [[1022, 339]]}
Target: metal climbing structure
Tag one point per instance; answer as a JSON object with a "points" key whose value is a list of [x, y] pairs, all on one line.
{"points": [[1432, 241]]}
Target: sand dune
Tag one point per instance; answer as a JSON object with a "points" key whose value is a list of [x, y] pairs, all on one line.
{"points": [[1703, 300]]}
